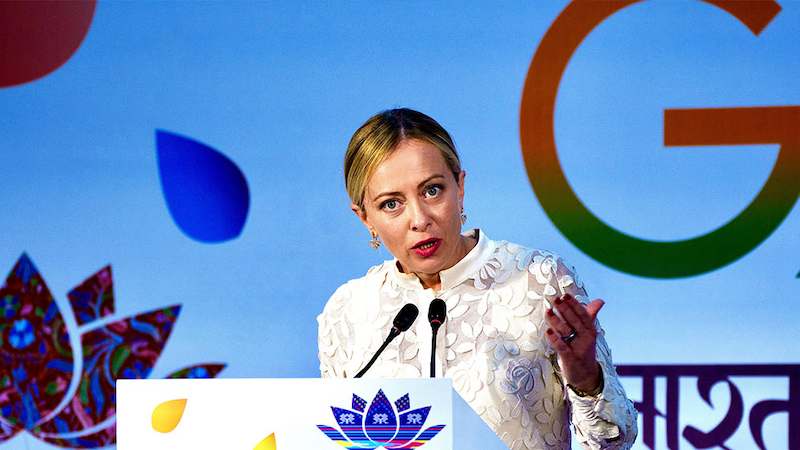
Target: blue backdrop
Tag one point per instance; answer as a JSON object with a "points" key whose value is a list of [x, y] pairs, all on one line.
{"points": [[279, 87]]}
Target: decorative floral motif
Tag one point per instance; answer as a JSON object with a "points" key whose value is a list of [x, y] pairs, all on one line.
{"points": [[94, 298], [37, 369], [412, 345], [559, 435], [9, 306], [380, 426], [525, 378], [498, 416], [468, 377], [501, 344], [36, 353], [21, 334], [532, 439], [491, 273], [544, 267]]}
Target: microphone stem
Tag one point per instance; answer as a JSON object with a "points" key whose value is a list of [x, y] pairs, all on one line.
{"points": [[392, 334], [433, 351]]}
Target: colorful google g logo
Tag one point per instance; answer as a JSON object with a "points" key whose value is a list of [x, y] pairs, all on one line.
{"points": [[682, 127]]}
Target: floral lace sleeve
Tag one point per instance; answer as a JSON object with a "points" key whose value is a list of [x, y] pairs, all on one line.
{"points": [[330, 341], [607, 421]]}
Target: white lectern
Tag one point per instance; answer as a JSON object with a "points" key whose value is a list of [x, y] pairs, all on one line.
{"points": [[290, 414]]}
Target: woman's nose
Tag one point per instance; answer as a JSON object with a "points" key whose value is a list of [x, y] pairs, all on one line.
{"points": [[420, 216]]}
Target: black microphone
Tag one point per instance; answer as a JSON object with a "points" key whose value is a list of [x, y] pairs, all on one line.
{"points": [[437, 313], [408, 313]]}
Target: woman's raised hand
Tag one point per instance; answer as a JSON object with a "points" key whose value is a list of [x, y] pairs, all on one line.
{"points": [[574, 337]]}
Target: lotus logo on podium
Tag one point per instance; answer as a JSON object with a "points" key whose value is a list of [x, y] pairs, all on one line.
{"points": [[237, 414], [381, 426]]}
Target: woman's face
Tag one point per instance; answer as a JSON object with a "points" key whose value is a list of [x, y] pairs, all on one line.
{"points": [[413, 202]]}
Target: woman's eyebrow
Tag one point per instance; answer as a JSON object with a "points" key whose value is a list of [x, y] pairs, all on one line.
{"points": [[420, 185], [428, 180], [386, 194]]}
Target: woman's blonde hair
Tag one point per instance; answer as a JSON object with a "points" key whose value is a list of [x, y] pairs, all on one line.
{"points": [[374, 141]]}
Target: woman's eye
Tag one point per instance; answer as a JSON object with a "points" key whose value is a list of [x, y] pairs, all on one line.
{"points": [[389, 204], [432, 190]]}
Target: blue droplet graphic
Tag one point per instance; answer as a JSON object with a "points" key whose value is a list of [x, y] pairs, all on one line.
{"points": [[206, 193]]}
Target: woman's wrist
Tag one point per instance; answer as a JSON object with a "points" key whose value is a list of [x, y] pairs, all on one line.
{"points": [[585, 391], [593, 393]]}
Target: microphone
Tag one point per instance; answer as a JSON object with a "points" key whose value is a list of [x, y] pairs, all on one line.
{"points": [[437, 313], [402, 322]]}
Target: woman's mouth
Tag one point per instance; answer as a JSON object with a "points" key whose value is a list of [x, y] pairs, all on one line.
{"points": [[426, 248]]}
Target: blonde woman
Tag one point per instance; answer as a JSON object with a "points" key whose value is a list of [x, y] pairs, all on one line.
{"points": [[520, 342]]}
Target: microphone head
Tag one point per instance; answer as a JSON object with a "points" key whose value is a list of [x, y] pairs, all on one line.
{"points": [[437, 312], [408, 313]]}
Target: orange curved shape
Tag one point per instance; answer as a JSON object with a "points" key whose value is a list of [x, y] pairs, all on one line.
{"points": [[704, 126], [167, 415]]}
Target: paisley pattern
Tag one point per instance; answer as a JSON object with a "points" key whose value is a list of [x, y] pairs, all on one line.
{"points": [[128, 348], [38, 371], [94, 298], [34, 348], [492, 345]]}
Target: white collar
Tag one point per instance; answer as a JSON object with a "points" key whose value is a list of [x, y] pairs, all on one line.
{"points": [[461, 271]]}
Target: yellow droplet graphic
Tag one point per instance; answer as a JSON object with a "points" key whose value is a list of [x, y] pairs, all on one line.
{"points": [[267, 444], [167, 415]]}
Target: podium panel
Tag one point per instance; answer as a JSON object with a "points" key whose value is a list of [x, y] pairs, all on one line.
{"points": [[267, 414]]}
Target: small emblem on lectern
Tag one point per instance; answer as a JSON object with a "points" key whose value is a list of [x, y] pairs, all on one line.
{"points": [[381, 425]]}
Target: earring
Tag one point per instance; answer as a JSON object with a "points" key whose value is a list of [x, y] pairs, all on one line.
{"points": [[375, 242], [463, 216]]}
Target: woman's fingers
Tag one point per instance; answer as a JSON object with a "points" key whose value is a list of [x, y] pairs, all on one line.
{"points": [[556, 323], [571, 311], [573, 315], [577, 354], [573, 326], [576, 314], [593, 308], [558, 343]]}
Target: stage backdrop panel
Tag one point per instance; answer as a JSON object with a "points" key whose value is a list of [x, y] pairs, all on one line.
{"points": [[173, 203]]}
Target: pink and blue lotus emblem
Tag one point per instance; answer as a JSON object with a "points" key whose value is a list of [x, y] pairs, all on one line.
{"points": [[382, 425]]}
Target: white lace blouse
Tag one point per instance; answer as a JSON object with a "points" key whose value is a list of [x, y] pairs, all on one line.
{"points": [[492, 345]]}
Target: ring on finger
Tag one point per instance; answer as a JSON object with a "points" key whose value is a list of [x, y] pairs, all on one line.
{"points": [[569, 338]]}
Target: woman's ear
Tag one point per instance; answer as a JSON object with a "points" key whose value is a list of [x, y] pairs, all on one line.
{"points": [[362, 215], [461, 178]]}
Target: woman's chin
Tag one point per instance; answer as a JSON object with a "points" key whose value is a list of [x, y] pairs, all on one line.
{"points": [[426, 268]]}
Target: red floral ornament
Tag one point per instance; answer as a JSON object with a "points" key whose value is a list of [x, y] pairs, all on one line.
{"points": [[37, 369]]}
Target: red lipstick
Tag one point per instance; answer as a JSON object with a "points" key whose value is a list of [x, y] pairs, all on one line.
{"points": [[426, 248]]}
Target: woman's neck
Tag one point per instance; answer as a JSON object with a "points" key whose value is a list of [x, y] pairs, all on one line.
{"points": [[434, 280], [430, 281]]}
